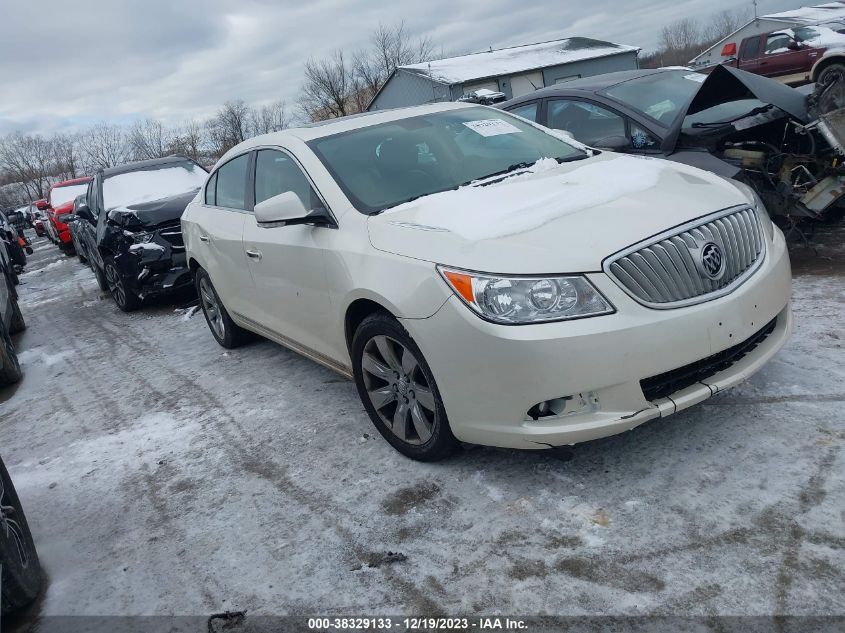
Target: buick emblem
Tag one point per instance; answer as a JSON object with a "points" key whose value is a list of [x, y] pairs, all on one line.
{"points": [[712, 261]]}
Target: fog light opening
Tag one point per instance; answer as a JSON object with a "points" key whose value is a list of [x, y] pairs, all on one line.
{"points": [[563, 406]]}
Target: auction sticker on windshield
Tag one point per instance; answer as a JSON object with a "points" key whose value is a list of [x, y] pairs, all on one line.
{"points": [[491, 127]]}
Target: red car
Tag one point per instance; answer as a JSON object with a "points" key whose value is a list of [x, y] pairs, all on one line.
{"points": [[59, 203]]}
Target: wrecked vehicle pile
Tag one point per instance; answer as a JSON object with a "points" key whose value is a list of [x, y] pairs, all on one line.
{"points": [[790, 148], [787, 144]]}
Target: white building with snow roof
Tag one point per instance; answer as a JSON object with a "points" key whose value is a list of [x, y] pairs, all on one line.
{"points": [[831, 14], [514, 71]]}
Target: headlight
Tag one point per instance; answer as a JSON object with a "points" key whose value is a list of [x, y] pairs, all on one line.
{"points": [[142, 237], [760, 208], [519, 300]]}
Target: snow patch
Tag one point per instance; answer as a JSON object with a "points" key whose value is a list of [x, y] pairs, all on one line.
{"points": [[136, 187], [36, 355], [480, 213], [40, 271], [146, 246]]}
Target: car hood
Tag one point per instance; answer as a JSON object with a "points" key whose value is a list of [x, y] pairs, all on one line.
{"points": [[150, 214], [726, 83], [553, 219]]}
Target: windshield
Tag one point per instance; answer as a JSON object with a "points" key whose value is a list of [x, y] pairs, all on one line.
{"points": [[383, 165], [163, 181], [659, 96], [60, 195]]}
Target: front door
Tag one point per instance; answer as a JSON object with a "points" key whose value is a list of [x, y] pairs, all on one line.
{"points": [[290, 291]]}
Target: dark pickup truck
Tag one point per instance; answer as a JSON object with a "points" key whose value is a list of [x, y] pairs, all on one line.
{"points": [[795, 56]]}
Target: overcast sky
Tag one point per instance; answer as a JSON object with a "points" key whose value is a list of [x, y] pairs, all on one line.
{"points": [[67, 64]]}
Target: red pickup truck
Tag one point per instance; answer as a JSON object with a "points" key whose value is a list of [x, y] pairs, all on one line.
{"points": [[798, 55], [59, 203]]}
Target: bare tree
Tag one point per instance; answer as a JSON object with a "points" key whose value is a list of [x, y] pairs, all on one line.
{"points": [[104, 145], [229, 127], [327, 88], [66, 158], [270, 118], [188, 140], [724, 23], [148, 139], [27, 159]]}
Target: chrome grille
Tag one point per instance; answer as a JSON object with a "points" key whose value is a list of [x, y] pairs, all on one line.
{"points": [[669, 270]]}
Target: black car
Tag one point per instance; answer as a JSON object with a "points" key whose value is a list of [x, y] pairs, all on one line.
{"points": [[20, 574], [730, 122], [130, 227], [11, 322], [12, 246], [75, 228]]}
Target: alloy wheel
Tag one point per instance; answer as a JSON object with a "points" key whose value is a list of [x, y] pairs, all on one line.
{"points": [[211, 306], [398, 389], [115, 284], [11, 528]]}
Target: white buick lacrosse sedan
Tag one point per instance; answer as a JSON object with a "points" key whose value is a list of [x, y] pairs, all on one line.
{"points": [[484, 280]]}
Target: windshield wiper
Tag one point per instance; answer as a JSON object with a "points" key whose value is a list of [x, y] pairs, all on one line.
{"points": [[755, 111]]}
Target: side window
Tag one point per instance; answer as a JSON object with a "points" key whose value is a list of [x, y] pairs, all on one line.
{"points": [[749, 48], [275, 173], [587, 122], [93, 198], [211, 190], [526, 111], [777, 43], [231, 183]]}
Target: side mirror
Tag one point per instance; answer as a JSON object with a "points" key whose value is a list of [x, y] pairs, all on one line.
{"points": [[286, 209], [794, 45], [613, 143], [84, 212], [41, 205]]}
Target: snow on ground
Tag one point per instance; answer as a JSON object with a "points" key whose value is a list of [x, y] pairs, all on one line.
{"points": [[164, 475]]}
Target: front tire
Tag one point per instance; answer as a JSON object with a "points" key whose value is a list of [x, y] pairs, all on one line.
{"points": [[831, 73], [123, 296], [398, 390], [225, 331], [21, 574]]}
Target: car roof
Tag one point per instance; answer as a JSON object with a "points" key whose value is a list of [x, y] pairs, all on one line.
{"points": [[141, 165], [329, 127], [72, 181]]}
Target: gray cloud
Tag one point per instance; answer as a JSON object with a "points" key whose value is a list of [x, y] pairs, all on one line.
{"points": [[66, 64]]}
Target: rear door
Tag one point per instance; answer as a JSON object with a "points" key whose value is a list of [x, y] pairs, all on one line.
{"points": [[287, 263], [218, 237]]}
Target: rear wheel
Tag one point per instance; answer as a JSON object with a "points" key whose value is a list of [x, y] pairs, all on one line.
{"points": [[225, 331], [21, 575], [10, 368], [398, 390], [125, 299]]}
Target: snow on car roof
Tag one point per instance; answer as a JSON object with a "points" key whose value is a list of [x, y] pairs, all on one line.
{"points": [[506, 61]]}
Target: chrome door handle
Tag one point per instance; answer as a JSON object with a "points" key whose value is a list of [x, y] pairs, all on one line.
{"points": [[204, 238], [254, 254]]}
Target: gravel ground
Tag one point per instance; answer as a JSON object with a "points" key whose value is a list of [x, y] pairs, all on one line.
{"points": [[164, 475]]}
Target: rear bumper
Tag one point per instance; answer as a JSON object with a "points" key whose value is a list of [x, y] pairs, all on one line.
{"points": [[489, 375]]}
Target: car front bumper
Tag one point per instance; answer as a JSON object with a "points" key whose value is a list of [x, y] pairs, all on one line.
{"points": [[490, 375], [150, 272]]}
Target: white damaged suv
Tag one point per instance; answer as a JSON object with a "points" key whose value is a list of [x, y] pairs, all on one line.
{"points": [[485, 280]]}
